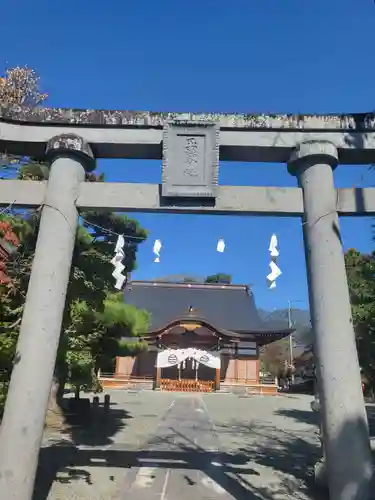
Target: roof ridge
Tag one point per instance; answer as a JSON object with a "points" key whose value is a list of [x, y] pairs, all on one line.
{"points": [[166, 284]]}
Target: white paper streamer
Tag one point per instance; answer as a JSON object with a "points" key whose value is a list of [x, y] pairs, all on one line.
{"points": [[275, 270], [220, 246], [273, 246], [117, 263], [156, 249]]}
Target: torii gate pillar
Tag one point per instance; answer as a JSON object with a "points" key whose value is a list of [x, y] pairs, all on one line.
{"points": [[345, 428], [22, 427]]}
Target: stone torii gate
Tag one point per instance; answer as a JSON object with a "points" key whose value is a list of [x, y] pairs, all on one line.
{"points": [[191, 146]]}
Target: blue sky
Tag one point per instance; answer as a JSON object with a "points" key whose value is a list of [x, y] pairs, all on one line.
{"points": [[245, 56]]}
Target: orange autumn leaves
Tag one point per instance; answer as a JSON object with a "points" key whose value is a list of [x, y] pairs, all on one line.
{"points": [[6, 236], [20, 85]]}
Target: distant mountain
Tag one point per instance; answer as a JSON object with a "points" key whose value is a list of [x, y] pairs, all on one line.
{"points": [[300, 320]]}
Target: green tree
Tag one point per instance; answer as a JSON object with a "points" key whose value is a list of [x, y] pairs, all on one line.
{"points": [[188, 279], [275, 358], [92, 313], [361, 281], [219, 278], [12, 295], [89, 321], [96, 337]]}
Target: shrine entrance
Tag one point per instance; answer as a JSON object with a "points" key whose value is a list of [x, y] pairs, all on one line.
{"points": [[190, 146], [188, 370]]}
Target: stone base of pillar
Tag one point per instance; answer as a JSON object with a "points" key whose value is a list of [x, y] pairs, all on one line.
{"points": [[320, 474]]}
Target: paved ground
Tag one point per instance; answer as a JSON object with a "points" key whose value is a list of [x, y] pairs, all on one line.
{"points": [[185, 446]]}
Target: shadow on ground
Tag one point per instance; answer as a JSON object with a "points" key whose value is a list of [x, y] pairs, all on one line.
{"points": [[188, 458], [304, 416], [310, 417], [91, 428], [289, 456], [292, 454], [94, 427]]}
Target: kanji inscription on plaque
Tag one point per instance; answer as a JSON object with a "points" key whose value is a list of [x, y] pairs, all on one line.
{"points": [[190, 159]]}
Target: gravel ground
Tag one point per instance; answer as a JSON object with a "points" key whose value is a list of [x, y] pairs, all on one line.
{"points": [[171, 446]]}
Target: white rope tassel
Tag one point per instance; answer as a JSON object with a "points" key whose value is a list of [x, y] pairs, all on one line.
{"points": [[117, 263], [156, 249], [220, 246], [275, 270], [273, 247]]}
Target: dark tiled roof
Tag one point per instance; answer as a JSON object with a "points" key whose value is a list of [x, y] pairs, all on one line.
{"points": [[228, 307]]}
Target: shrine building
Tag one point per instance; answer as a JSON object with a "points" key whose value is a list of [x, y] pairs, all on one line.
{"points": [[201, 337]]}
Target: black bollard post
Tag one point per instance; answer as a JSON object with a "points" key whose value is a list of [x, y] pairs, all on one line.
{"points": [[95, 403], [107, 402]]}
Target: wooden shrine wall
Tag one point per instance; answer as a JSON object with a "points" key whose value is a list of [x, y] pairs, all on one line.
{"points": [[233, 370], [142, 365]]}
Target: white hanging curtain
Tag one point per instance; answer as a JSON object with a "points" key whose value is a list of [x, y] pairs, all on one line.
{"points": [[173, 357]]}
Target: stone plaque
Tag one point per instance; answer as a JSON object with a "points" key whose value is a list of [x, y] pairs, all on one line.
{"points": [[190, 159]]}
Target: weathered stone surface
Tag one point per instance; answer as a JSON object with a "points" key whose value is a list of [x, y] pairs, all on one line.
{"points": [[190, 159], [70, 116], [72, 145], [312, 152]]}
